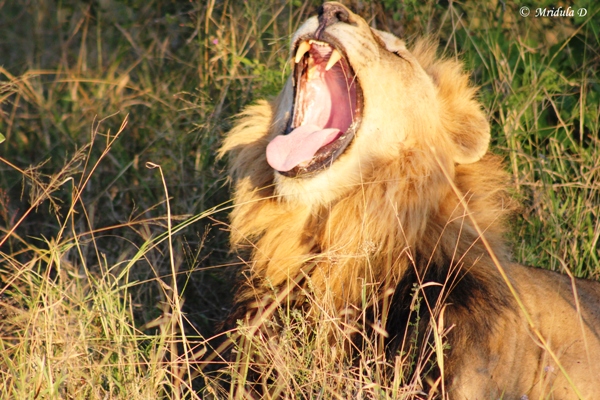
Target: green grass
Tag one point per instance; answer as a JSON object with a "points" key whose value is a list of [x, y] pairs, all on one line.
{"points": [[113, 272]]}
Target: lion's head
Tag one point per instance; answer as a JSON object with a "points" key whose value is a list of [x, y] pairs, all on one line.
{"points": [[357, 98]]}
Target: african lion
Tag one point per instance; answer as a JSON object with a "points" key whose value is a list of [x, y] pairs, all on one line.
{"points": [[370, 168]]}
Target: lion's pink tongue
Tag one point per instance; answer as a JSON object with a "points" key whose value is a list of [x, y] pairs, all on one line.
{"points": [[287, 151]]}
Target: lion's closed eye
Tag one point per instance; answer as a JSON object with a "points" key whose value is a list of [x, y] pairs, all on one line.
{"points": [[390, 42]]}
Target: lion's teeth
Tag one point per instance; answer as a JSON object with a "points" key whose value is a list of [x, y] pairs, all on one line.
{"points": [[335, 57], [318, 42], [302, 49]]}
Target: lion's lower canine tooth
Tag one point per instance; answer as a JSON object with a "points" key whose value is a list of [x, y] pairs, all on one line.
{"points": [[335, 57], [302, 49]]}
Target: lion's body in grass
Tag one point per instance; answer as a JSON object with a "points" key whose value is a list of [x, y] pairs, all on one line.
{"points": [[385, 215]]}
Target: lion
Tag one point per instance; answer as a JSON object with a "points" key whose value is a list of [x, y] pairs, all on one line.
{"points": [[371, 168]]}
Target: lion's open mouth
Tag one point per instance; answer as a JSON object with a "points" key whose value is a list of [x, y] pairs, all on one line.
{"points": [[325, 115]]}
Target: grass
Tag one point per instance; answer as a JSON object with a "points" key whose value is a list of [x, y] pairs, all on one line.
{"points": [[114, 263]]}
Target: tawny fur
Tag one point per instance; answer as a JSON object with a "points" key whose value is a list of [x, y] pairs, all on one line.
{"points": [[397, 221]]}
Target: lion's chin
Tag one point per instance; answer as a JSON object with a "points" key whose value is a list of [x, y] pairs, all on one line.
{"points": [[326, 111], [319, 189]]}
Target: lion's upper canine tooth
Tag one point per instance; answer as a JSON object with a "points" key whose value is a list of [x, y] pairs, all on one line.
{"points": [[302, 49], [335, 57]]}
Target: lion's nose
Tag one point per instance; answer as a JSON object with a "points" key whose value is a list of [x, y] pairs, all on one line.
{"points": [[329, 14]]}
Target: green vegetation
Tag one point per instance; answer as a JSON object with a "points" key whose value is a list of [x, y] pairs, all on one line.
{"points": [[114, 263]]}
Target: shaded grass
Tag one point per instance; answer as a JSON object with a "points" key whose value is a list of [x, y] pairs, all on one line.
{"points": [[95, 275]]}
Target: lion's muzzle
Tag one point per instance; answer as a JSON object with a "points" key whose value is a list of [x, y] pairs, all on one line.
{"points": [[327, 103]]}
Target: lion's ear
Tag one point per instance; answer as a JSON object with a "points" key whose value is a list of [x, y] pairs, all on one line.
{"points": [[470, 134]]}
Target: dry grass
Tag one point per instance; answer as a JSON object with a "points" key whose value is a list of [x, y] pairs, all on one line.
{"points": [[113, 274]]}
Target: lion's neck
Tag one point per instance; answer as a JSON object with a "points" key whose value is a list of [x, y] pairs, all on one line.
{"points": [[377, 233]]}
